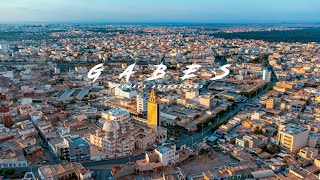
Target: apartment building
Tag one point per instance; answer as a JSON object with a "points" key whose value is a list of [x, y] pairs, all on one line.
{"points": [[70, 149], [167, 155], [293, 137], [270, 103], [142, 102]]}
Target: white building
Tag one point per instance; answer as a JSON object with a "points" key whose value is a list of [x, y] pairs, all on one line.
{"points": [[36, 115], [142, 102], [17, 161], [116, 114], [125, 93], [266, 75], [8, 74], [167, 155], [81, 70], [56, 70], [4, 47]]}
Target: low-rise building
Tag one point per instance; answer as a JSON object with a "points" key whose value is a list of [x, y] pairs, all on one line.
{"points": [[116, 114], [64, 171], [307, 152]]}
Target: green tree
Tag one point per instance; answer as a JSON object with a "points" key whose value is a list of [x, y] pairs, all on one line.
{"points": [[61, 104], [264, 63], [10, 172], [216, 126], [91, 96], [72, 101], [273, 149], [258, 131]]}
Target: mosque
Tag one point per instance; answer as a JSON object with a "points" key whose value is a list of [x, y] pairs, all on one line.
{"points": [[123, 137]]}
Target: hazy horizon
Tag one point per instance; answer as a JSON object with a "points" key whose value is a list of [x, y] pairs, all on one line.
{"points": [[175, 11], [161, 23]]}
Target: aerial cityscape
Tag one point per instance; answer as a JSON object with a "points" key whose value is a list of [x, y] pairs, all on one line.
{"points": [[111, 95]]}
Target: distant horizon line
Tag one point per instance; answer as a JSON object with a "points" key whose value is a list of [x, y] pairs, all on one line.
{"points": [[149, 22]]}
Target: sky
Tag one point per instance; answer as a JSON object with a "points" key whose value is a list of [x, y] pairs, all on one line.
{"points": [[201, 11]]}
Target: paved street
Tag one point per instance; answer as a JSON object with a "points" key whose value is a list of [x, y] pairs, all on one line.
{"points": [[102, 173], [114, 161], [196, 137]]}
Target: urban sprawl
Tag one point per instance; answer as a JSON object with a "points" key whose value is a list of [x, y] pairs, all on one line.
{"points": [[261, 121]]}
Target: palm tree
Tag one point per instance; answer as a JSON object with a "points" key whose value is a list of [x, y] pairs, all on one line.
{"points": [[91, 96]]}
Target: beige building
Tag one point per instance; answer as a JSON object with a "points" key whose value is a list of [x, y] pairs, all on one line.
{"points": [[307, 152], [293, 137], [122, 138], [64, 171], [190, 94], [251, 141], [297, 105], [206, 100], [283, 86], [270, 103]]}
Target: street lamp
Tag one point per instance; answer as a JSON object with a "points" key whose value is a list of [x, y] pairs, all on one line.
{"points": [[98, 173]]}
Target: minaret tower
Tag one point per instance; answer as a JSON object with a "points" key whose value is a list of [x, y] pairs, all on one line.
{"points": [[153, 112]]}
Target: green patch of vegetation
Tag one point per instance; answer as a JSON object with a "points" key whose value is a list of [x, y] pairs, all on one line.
{"points": [[216, 126], [273, 149], [10, 172], [176, 132], [205, 122], [62, 105], [91, 96], [72, 101], [172, 67], [258, 131], [299, 35], [208, 120]]}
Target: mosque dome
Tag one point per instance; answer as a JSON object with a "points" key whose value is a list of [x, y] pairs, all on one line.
{"points": [[111, 126]]}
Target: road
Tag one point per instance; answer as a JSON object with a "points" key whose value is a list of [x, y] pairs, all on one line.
{"points": [[115, 161], [196, 137], [102, 169]]}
